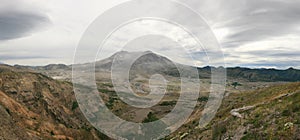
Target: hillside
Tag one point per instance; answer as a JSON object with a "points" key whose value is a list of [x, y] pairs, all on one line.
{"points": [[34, 106], [268, 113], [267, 75]]}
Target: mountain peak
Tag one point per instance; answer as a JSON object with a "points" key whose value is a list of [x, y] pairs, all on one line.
{"points": [[291, 68], [146, 59], [148, 51]]}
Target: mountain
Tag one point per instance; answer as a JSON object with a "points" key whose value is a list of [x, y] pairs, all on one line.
{"points": [[34, 106], [267, 75], [47, 67], [146, 60], [39, 102], [149, 63]]}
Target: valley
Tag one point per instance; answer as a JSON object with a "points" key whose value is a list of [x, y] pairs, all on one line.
{"points": [[39, 102]]}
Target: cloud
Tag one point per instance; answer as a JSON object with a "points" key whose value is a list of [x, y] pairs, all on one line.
{"points": [[255, 33], [10, 57], [273, 64], [250, 20], [265, 19], [282, 54], [20, 21]]}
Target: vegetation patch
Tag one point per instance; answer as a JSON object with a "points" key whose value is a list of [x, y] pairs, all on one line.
{"points": [[74, 105], [150, 118]]}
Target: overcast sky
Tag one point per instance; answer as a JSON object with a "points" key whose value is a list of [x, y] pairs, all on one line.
{"points": [[252, 33]]}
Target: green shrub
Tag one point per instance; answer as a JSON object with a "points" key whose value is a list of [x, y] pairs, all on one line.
{"points": [[235, 84], [150, 118], [286, 112], [168, 103], [203, 99], [74, 105], [52, 133], [219, 130]]}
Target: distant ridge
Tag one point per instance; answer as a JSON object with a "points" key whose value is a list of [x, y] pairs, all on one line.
{"points": [[152, 62], [267, 75]]}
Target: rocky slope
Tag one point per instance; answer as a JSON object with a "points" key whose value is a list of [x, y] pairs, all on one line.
{"points": [[33, 106], [268, 113]]}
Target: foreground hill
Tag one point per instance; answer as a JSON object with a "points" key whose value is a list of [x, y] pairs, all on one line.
{"points": [[268, 113], [34, 106]]}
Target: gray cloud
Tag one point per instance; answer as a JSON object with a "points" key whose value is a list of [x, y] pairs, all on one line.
{"points": [[278, 54], [265, 19], [251, 20], [275, 64], [21, 21], [265, 25], [10, 57], [274, 53], [273, 58]]}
